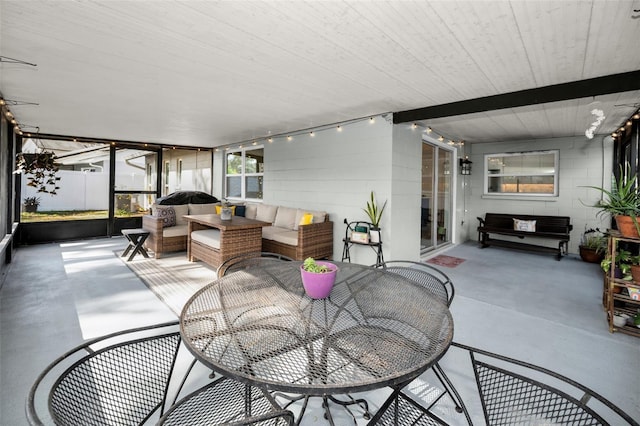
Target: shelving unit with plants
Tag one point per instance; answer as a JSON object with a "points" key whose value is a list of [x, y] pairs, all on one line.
{"points": [[620, 283]]}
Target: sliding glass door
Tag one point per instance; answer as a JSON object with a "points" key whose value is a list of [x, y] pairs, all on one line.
{"points": [[436, 197]]}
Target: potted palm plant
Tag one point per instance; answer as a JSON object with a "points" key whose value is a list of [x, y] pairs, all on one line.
{"points": [[375, 214], [623, 203]]}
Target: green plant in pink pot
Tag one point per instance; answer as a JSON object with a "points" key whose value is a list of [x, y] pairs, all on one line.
{"points": [[318, 277]]}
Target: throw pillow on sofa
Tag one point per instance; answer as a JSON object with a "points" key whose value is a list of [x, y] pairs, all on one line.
{"points": [[219, 210], [167, 214], [318, 217]]}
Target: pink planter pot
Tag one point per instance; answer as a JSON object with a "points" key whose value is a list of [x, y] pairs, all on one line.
{"points": [[318, 286]]}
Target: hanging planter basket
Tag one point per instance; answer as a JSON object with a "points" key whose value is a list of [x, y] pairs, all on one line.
{"points": [[40, 170]]}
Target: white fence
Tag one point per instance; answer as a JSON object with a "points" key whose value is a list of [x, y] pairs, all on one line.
{"points": [[78, 191]]}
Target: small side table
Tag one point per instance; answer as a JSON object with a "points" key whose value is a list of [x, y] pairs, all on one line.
{"points": [[136, 238], [348, 243]]}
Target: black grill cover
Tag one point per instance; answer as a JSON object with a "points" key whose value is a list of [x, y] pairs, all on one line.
{"points": [[186, 197]]}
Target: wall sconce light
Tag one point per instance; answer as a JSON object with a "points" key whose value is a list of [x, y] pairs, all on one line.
{"points": [[465, 166]]}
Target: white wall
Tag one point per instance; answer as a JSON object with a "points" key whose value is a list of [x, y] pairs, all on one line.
{"points": [[580, 164], [406, 185], [334, 171]]}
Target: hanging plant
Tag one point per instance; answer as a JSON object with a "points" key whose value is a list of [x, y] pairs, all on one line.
{"points": [[40, 170]]}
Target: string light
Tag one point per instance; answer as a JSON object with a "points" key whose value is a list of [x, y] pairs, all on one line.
{"points": [[311, 132], [414, 126]]}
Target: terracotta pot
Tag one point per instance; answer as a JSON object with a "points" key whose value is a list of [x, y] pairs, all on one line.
{"points": [[590, 255], [626, 226], [635, 273]]}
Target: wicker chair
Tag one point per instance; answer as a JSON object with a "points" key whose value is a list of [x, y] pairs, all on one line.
{"points": [[438, 283], [130, 378], [250, 259], [514, 392]]}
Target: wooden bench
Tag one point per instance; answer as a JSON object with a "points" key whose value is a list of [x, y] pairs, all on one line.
{"points": [[547, 227]]}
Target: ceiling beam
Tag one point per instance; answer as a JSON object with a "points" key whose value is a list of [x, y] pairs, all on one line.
{"points": [[605, 85]]}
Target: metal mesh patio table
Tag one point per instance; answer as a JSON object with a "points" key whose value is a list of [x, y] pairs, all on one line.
{"points": [[375, 329]]}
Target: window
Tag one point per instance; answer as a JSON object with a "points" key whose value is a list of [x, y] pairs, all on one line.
{"points": [[167, 171], [244, 173], [523, 173], [179, 173]]}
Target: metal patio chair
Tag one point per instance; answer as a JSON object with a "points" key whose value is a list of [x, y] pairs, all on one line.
{"points": [[513, 392], [132, 377], [243, 261], [440, 285]]}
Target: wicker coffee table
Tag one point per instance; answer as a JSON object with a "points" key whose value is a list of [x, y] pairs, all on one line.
{"points": [[376, 329], [237, 236]]}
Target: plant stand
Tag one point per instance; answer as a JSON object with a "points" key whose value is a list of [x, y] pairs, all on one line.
{"points": [[348, 242]]}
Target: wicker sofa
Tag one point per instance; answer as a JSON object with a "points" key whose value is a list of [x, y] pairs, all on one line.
{"points": [[174, 238], [285, 236]]}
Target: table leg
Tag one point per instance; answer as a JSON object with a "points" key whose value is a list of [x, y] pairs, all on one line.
{"points": [[136, 242]]}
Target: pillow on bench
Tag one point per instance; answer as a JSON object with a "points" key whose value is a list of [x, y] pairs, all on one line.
{"points": [[524, 225]]}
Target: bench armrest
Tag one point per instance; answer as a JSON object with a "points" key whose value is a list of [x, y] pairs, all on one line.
{"points": [[481, 221]]}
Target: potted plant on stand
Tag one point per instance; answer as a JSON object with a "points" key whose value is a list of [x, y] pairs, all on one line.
{"points": [[623, 261], [593, 245], [318, 277], [375, 214], [623, 203]]}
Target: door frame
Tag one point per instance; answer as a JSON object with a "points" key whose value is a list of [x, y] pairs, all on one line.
{"points": [[454, 191]]}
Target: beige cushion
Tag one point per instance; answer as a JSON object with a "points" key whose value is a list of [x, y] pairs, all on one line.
{"points": [[285, 218], [280, 235], [266, 213], [175, 231], [208, 237], [202, 208], [181, 210], [250, 211], [318, 217]]}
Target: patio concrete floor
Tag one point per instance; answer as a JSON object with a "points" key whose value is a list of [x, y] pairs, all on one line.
{"points": [[523, 305]]}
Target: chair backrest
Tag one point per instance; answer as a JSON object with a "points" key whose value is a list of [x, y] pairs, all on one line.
{"points": [[134, 377], [431, 278], [244, 261], [516, 392], [114, 379]]}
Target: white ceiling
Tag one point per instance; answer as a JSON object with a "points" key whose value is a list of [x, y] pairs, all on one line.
{"points": [[208, 73]]}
